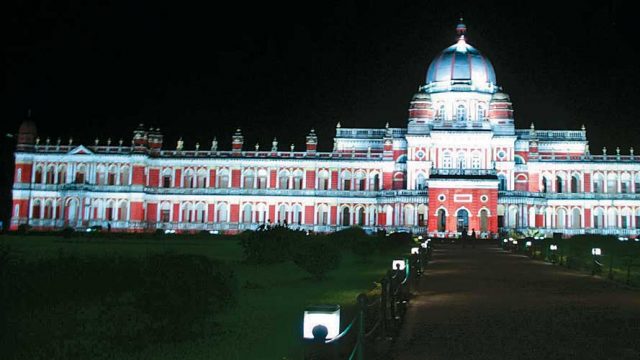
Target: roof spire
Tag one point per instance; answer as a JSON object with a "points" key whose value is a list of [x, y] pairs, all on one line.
{"points": [[461, 29]]}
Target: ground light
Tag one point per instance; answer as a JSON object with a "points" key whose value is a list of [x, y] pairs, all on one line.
{"points": [[553, 247], [596, 251], [514, 242], [505, 241], [415, 250], [419, 237], [321, 318], [398, 265], [527, 244]]}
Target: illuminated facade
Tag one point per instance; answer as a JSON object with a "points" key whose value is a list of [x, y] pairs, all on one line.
{"points": [[459, 164]]}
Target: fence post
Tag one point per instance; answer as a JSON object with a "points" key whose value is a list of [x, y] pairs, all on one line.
{"points": [[362, 304], [383, 306]]}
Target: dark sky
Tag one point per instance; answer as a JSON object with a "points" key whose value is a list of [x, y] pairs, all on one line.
{"points": [[97, 68]]}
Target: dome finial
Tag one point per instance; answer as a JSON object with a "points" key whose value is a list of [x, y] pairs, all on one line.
{"points": [[461, 28]]}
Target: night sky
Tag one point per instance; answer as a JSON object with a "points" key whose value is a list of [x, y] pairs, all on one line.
{"points": [[97, 68]]}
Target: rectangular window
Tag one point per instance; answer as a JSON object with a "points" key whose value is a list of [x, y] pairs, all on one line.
{"points": [[164, 215], [166, 181]]}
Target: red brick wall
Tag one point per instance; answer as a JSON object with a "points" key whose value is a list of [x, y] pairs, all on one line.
{"points": [[235, 212], [311, 179], [154, 177], [334, 179], [235, 178], [136, 212], [137, 177], [212, 178], [152, 212], [308, 215], [473, 207]]}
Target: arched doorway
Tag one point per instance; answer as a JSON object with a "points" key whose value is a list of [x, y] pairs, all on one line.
{"points": [[442, 220], [484, 220], [462, 220]]}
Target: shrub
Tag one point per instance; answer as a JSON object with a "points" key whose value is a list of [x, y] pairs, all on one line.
{"points": [[97, 307], [270, 246], [317, 256]]}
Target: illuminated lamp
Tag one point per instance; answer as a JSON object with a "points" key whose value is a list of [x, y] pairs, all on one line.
{"points": [[415, 250], [527, 244], [596, 251], [327, 316], [553, 247], [398, 265]]}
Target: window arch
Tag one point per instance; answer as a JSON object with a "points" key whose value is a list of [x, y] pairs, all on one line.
{"points": [[262, 179], [612, 182], [346, 180], [360, 180], [124, 175], [247, 211], [519, 160], [476, 161], [322, 214], [374, 182], [612, 217], [440, 114], [167, 178], [62, 175], [481, 112], [296, 215], [187, 178], [283, 179], [461, 160], [201, 180], [447, 160], [249, 179], [461, 113], [598, 218], [559, 184], [625, 183], [222, 213], [200, 212], [502, 184], [575, 183], [323, 180], [598, 183], [345, 216], [421, 182], [223, 179], [298, 175]]}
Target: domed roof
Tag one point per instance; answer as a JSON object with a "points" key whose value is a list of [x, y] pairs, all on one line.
{"points": [[461, 67]]}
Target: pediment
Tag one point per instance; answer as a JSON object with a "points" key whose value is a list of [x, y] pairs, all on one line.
{"points": [[80, 150]]}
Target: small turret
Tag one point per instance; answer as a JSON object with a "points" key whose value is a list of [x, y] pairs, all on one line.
{"points": [[154, 139], [27, 134]]}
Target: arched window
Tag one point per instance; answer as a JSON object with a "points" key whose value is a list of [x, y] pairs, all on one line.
{"points": [[323, 180], [261, 214], [223, 179], [62, 175], [187, 213], [48, 210], [36, 209], [165, 212], [461, 161], [440, 114], [201, 181], [108, 211], [167, 176], [187, 178], [81, 174], [561, 218], [124, 175], [461, 113], [576, 218], [49, 175], [612, 183], [559, 184], [322, 215], [625, 219], [408, 216], [112, 175], [38, 175], [545, 184], [297, 179], [636, 183], [476, 162], [447, 160], [421, 182], [422, 215], [346, 180], [598, 218], [222, 213], [481, 112], [625, 183], [296, 215], [612, 218], [502, 184], [374, 182], [575, 183], [283, 214], [249, 179], [246, 213], [122, 211], [262, 179], [598, 183], [360, 181], [389, 215], [360, 216], [283, 179], [200, 213], [519, 160], [346, 221]]}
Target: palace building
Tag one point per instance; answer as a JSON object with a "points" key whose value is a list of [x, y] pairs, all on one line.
{"points": [[459, 164]]}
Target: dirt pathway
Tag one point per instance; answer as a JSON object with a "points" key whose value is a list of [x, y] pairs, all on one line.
{"points": [[485, 303]]}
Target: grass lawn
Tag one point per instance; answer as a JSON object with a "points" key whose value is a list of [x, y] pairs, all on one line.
{"points": [[266, 323]]}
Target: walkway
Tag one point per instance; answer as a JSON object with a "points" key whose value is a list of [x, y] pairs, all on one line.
{"points": [[485, 303]]}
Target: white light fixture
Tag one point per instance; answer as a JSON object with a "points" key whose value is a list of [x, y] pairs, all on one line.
{"points": [[553, 247], [515, 242], [527, 244], [505, 241], [398, 265], [510, 239], [596, 251], [324, 315], [419, 237], [415, 250], [213, 232], [424, 245]]}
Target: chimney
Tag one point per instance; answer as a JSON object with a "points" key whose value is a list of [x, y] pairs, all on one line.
{"points": [[312, 142], [237, 141]]}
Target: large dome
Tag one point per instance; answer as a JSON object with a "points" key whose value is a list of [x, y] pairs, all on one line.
{"points": [[461, 67]]}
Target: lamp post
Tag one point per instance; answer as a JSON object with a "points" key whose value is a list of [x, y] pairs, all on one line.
{"points": [[597, 266], [553, 248], [321, 322]]}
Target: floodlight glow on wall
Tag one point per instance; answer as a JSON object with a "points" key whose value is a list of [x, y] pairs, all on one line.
{"points": [[553, 247], [321, 315], [415, 250], [398, 265], [596, 251]]}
